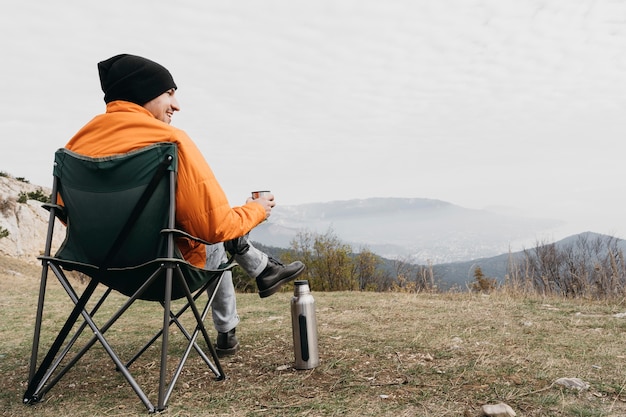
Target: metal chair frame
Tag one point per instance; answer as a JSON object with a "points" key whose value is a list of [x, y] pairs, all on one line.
{"points": [[45, 374]]}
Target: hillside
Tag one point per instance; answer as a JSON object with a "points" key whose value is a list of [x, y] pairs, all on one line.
{"points": [[26, 222], [461, 273]]}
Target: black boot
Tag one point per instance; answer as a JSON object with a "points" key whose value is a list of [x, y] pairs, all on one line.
{"points": [[275, 275], [227, 344]]}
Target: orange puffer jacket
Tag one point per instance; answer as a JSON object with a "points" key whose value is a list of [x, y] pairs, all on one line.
{"points": [[202, 208]]}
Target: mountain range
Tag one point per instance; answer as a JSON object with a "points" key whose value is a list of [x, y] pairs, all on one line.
{"points": [[418, 230]]}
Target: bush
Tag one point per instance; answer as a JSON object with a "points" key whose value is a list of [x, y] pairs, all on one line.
{"points": [[3, 232], [38, 195], [592, 266], [482, 283]]}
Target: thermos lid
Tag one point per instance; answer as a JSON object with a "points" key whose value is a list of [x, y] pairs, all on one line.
{"points": [[301, 282]]}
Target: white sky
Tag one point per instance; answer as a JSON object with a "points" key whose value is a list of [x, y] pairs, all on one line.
{"points": [[513, 103]]}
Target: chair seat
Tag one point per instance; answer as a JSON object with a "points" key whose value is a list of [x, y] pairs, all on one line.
{"points": [[124, 280]]}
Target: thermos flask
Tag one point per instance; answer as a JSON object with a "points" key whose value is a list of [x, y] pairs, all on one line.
{"points": [[304, 326]]}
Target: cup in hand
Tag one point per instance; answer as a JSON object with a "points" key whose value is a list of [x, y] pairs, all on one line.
{"points": [[257, 194]]}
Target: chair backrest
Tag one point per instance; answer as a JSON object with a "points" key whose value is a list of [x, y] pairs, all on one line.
{"points": [[106, 225]]}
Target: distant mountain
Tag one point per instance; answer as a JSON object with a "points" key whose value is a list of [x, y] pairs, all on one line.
{"points": [[461, 274], [418, 229]]}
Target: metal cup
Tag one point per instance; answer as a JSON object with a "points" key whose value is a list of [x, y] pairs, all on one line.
{"points": [[257, 194]]}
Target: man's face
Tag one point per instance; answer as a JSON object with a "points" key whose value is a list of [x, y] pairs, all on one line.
{"points": [[163, 106]]}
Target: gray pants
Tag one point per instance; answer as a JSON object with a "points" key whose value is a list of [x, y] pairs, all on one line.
{"points": [[224, 307]]}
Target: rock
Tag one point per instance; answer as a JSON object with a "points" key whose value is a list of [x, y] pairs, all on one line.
{"points": [[27, 223], [456, 343], [573, 383], [498, 410]]}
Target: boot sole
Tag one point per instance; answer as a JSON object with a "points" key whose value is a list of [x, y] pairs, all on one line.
{"points": [[274, 288], [226, 352]]}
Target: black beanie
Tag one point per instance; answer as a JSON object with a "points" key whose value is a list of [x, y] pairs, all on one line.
{"points": [[133, 78]]}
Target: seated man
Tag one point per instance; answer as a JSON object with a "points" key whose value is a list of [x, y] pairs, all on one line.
{"points": [[140, 97]]}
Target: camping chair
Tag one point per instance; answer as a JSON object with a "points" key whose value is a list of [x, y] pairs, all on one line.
{"points": [[120, 218]]}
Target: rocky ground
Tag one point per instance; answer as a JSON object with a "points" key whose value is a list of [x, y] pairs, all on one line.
{"points": [[26, 223]]}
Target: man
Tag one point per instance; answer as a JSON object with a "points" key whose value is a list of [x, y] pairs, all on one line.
{"points": [[140, 97]]}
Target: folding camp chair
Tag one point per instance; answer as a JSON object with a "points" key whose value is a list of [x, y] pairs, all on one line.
{"points": [[120, 218]]}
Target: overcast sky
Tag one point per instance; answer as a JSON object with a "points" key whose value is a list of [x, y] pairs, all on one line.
{"points": [[510, 103]]}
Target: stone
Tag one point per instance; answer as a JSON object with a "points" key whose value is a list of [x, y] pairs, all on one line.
{"points": [[573, 383], [498, 410]]}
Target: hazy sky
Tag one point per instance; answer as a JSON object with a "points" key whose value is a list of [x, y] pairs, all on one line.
{"points": [[510, 103]]}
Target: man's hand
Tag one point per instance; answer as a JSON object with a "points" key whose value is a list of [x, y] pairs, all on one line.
{"points": [[267, 201]]}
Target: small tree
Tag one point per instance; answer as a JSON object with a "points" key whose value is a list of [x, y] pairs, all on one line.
{"points": [[482, 283], [589, 266], [328, 260], [366, 270]]}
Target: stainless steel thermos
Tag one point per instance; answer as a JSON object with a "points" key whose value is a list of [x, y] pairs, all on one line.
{"points": [[304, 326]]}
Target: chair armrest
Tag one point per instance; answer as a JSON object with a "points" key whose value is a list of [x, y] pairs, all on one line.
{"points": [[180, 233], [59, 211], [229, 264]]}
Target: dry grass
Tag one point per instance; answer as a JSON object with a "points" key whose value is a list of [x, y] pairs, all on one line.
{"points": [[381, 354]]}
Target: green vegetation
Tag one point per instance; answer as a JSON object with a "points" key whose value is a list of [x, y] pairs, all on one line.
{"points": [[589, 267], [20, 179], [37, 195]]}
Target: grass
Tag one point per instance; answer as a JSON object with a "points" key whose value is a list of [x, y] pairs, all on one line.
{"points": [[382, 354]]}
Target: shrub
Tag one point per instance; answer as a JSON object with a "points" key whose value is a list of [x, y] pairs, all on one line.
{"points": [[3, 232], [591, 266], [38, 195], [482, 283]]}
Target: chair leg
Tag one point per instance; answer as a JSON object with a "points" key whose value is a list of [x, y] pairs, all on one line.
{"points": [[200, 322], [51, 382], [35, 381], [38, 386], [200, 328], [158, 334], [174, 320], [215, 366], [193, 337], [43, 283], [167, 305], [38, 319]]}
